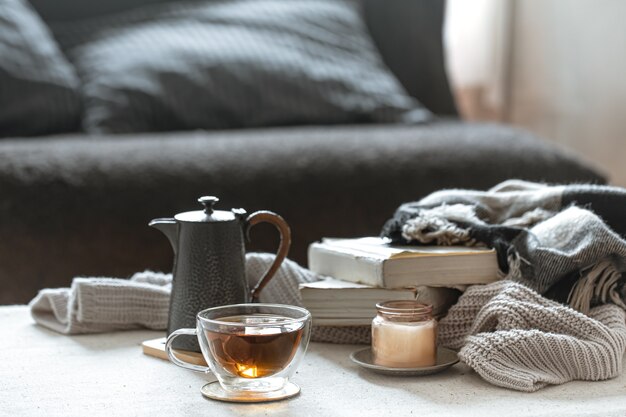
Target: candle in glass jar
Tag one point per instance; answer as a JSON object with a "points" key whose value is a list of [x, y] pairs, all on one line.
{"points": [[404, 335]]}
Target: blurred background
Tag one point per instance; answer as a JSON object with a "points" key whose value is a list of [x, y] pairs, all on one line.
{"points": [[113, 113], [555, 67]]}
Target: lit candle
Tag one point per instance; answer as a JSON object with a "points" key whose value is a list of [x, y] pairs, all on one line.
{"points": [[404, 335]]}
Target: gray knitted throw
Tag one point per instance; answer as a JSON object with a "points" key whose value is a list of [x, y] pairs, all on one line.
{"points": [[509, 334], [515, 338]]}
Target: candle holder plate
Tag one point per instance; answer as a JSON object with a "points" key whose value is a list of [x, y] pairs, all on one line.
{"points": [[445, 359]]}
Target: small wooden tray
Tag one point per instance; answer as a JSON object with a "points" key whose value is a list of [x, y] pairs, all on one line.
{"points": [[156, 348]]}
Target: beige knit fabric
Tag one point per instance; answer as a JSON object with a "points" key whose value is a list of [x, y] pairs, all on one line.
{"points": [[96, 304], [509, 334], [515, 338]]}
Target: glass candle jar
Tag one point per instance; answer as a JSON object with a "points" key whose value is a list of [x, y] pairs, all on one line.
{"points": [[404, 335]]}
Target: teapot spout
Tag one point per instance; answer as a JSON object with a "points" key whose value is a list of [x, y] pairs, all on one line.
{"points": [[169, 227]]}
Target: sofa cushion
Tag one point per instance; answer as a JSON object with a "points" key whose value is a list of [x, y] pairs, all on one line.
{"points": [[37, 85], [233, 64], [75, 206], [408, 34]]}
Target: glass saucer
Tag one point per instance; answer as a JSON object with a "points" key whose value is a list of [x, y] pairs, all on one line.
{"points": [[214, 391], [445, 359]]}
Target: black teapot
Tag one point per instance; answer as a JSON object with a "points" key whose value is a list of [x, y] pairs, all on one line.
{"points": [[209, 261]]}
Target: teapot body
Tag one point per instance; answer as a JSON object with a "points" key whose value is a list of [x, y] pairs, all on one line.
{"points": [[209, 271]]}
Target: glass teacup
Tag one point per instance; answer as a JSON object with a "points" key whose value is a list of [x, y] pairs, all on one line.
{"points": [[249, 347]]}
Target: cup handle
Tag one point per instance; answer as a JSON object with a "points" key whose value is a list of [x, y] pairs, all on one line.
{"points": [[174, 359], [285, 242]]}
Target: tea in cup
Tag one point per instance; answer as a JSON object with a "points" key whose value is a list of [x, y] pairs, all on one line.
{"points": [[253, 348]]}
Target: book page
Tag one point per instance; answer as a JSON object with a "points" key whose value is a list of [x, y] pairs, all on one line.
{"points": [[381, 247], [331, 283]]}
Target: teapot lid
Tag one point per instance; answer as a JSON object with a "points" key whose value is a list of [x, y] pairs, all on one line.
{"points": [[209, 215]]}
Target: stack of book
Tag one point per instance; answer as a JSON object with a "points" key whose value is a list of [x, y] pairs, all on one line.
{"points": [[365, 271]]}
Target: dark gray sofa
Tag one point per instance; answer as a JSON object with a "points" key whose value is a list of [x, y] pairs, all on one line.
{"points": [[79, 205]]}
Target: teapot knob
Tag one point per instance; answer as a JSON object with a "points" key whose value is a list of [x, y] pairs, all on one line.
{"points": [[208, 202]]}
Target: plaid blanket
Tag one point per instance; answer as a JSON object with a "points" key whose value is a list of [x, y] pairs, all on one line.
{"points": [[566, 242]]}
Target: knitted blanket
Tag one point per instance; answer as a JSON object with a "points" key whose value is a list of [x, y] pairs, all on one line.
{"points": [[515, 338], [509, 334]]}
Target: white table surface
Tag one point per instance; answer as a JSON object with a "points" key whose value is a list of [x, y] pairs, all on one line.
{"points": [[46, 374]]}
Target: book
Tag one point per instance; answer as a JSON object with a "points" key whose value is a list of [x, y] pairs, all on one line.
{"points": [[334, 302], [373, 261]]}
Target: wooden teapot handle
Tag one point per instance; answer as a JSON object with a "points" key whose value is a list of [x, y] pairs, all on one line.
{"points": [[277, 221]]}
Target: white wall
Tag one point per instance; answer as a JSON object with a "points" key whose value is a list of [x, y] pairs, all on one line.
{"points": [[564, 71], [568, 76]]}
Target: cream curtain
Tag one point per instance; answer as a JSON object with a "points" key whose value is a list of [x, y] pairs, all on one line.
{"points": [[478, 41]]}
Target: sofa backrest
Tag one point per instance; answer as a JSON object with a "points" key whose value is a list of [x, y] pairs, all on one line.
{"points": [[408, 34]]}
